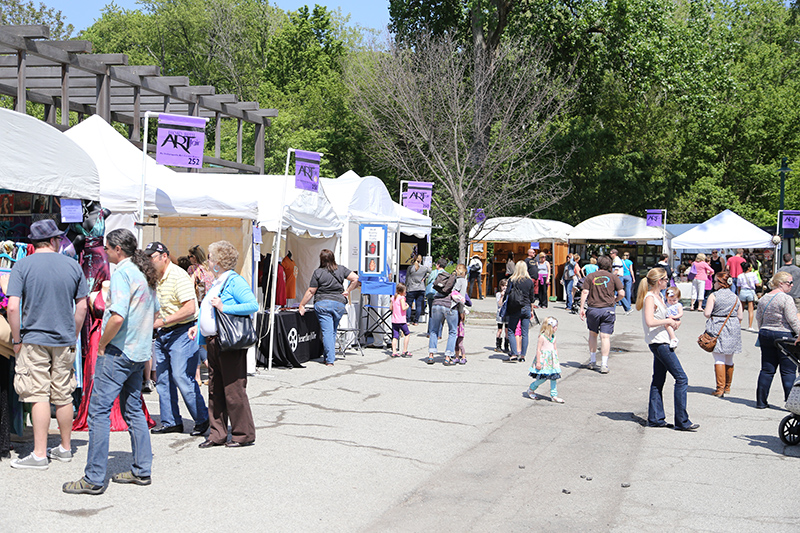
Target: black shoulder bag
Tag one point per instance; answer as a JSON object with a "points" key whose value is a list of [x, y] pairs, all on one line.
{"points": [[234, 332]]}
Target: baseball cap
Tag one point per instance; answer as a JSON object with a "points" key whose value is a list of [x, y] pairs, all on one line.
{"points": [[154, 247]]}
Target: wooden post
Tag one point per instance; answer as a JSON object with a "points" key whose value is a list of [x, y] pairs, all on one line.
{"points": [[217, 135], [259, 148], [65, 94], [239, 140], [22, 61], [136, 131]]}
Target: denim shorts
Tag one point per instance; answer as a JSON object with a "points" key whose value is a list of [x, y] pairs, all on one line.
{"points": [[601, 319], [747, 295]]}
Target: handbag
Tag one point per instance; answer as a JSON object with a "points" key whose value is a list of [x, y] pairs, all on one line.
{"points": [[234, 332], [707, 341]]}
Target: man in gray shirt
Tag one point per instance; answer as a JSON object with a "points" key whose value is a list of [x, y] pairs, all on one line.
{"points": [[46, 307], [791, 268]]}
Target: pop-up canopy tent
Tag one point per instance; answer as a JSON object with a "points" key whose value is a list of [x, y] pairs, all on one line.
{"points": [[358, 200], [616, 227], [167, 192], [520, 229], [725, 230], [37, 158]]}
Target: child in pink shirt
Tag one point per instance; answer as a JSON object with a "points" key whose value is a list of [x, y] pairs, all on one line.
{"points": [[399, 307]]}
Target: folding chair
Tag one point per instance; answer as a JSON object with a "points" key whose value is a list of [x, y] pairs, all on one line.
{"points": [[347, 336]]}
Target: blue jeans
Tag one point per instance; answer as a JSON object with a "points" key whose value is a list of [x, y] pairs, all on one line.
{"points": [[176, 365], [524, 315], [568, 290], [329, 313], [439, 315], [665, 360], [771, 359], [415, 299], [627, 285], [116, 375], [430, 317]]}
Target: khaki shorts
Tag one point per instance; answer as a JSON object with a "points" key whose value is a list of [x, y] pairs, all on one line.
{"points": [[45, 374]]}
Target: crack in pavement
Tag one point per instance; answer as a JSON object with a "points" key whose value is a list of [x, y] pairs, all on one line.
{"points": [[405, 415]]}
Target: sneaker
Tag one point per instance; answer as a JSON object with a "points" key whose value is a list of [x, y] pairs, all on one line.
{"points": [[57, 455], [673, 343], [130, 477], [604, 369], [556, 399], [149, 386], [628, 312], [82, 487], [30, 462], [590, 365]]}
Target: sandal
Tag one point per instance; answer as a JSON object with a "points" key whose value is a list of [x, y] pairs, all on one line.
{"points": [[405, 354], [556, 399], [462, 361], [395, 354], [448, 361], [429, 360]]}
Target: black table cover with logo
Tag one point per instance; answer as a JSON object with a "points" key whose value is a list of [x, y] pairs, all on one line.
{"points": [[298, 340]]}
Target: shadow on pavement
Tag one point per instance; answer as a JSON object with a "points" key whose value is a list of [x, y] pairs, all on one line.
{"points": [[771, 443], [623, 416]]}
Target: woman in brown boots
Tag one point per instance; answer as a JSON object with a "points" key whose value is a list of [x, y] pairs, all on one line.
{"points": [[721, 303]]}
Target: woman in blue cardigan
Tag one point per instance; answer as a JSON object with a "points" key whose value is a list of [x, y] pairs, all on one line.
{"points": [[227, 370]]}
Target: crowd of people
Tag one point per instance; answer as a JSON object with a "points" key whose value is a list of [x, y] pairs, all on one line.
{"points": [[166, 311]]}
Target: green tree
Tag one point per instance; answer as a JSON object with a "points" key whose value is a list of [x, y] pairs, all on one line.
{"points": [[18, 12]]}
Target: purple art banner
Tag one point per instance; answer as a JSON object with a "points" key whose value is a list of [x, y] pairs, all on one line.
{"points": [[180, 141], [306, 170], [791, 219], [480, 216], [419, 195], [655, 217]]}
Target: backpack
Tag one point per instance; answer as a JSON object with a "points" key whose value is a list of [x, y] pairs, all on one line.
{"points": [[440, 283], [514, 299]]}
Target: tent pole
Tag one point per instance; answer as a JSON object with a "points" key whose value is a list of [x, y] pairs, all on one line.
{"points": [[140, 225]]}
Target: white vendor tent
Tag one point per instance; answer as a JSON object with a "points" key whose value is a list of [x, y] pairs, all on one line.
{"points": [[358, 200], [37, 158], [616, 227], [726, 230], [167, 192], [520, 229]]}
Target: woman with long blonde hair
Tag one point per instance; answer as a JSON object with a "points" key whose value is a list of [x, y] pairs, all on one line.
{"points": [[654, 322], [519, 308]]}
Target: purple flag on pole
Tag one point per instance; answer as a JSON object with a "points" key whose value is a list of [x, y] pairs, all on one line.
{"points": [[480, 216], [791, 219], [306, 173], [655, 217], [180, 141]]}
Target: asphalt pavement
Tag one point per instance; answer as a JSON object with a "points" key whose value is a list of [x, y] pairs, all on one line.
{"points": [[382, 444]]}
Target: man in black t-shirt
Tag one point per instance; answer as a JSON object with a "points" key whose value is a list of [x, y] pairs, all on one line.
{"points": [[533, 269], [599, 295]]}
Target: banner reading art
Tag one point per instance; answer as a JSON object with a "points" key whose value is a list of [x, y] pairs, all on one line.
{"points": [[306, 170], [655, 217], [418, 197], [791, 219], [180, 141], [480, 216]]}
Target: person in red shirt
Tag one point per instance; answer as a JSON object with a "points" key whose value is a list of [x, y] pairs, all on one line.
{"points": [[734, 266]]}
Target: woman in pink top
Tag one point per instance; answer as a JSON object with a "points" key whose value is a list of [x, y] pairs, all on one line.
{"points": [[703, 272]]}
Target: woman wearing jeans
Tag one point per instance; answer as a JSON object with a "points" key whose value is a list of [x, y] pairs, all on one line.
{"points": [[443, 309], [416, 276], [330, 299], [777, 319], [654, 322], [521, 284]]}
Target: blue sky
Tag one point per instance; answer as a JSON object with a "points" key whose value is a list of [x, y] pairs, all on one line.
{"points": [[368, 13]]}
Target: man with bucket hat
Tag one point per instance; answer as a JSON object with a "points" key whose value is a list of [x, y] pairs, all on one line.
{"points": [[46, 307]]}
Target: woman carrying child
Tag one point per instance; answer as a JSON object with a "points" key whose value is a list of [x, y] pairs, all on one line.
{"points": [[654, 322], [399, 308], [545, 365]]}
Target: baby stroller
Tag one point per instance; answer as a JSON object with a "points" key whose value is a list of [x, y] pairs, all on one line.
{"points": [[789, 428], [576, 300]]}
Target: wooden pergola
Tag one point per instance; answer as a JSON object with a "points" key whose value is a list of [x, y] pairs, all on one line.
{"points": [[65, 75]]}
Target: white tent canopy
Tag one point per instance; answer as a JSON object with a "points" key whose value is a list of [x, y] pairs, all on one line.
{"points": [[726, 230], [306, 213], [167, 192], [37, 158], [616, 227], [519, 229], [367, 200]]}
